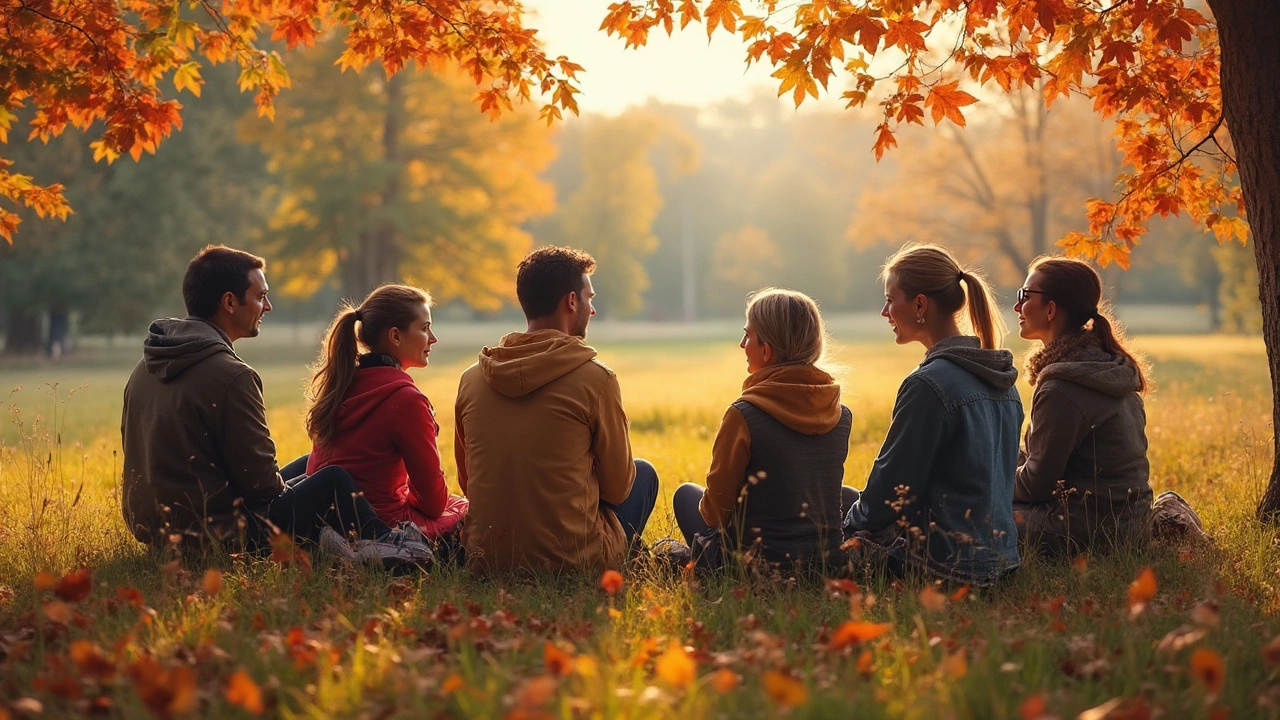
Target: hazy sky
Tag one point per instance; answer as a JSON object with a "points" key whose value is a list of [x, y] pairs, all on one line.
{"points": [[682, 69]]}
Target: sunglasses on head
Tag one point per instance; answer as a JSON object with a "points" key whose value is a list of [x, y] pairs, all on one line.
{"points": [[1023, 293]]}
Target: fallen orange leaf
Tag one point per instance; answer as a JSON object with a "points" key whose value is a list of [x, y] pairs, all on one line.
{"points": [[865, 661], [1080, 564], [1208, 668], [74, 586], [212, 582], [1131, 708], [243, 692], [785, 690], [955, 665], [557, 661], [90, 661], [44, 580], [1034, 707], [57, 611], [452, 684], [1142, 590], [611, 581], [725, 680], [856, 631], [536, 691], [932, 599], [961, 593], [675, 667], [1271, 651]]}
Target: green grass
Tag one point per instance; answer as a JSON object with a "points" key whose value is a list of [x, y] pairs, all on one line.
{"points": [[338, 642]]}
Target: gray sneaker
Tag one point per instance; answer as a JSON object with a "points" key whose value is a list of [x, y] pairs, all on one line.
{"points": [[404, 548], [335, 547]]}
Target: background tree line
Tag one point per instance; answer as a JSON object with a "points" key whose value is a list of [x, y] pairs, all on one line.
{"points": [[362, 180]]}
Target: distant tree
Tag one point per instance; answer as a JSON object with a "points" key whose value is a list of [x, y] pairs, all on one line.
{"points": [[612, 211], [382, 179], [744, 261], [113, 263]]}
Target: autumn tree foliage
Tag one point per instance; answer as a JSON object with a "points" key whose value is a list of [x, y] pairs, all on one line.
{"points": [[1173, 78], [112, 67], [398, 178]]}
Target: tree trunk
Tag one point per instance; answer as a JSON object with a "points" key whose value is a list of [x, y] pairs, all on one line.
{"points": [[1249, 32], [23, 334]]}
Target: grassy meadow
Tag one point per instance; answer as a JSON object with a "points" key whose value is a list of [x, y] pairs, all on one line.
{"points": [[241, 636]]}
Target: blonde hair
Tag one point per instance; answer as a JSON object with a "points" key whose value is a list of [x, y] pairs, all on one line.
{"points": [[789, 322], [932, 271]]}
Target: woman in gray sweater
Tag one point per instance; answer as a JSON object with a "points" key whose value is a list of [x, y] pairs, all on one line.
{"points": [[1082, 482]]}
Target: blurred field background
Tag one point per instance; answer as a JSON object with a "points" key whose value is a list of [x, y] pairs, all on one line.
{"points": [[355, 643]]}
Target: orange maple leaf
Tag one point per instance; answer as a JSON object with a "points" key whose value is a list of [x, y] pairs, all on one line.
{"points": [[945, 100]]}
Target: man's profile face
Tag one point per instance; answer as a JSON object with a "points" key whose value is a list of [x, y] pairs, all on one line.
{"points": [[585, 307], [246, 317]]}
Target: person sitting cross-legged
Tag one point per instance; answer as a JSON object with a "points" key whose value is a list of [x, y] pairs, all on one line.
{"points": [[199, 462], [541, 438], [366, 415], [773, 494]]}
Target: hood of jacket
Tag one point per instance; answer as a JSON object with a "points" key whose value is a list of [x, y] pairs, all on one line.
{"points": [[1095, 369], [369, 389], [993, 367], [525, 361], [802, 397], [174, 346]]}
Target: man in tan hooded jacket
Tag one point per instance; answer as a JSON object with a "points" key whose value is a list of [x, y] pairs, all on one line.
{"points": [[541, 437]]}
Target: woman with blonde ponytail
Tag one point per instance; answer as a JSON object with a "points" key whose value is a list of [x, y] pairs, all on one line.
{"points": [[1083, 482], [365, 414], [939, 495]]}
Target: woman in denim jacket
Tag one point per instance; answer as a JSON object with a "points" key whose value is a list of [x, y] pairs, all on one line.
{"points": [[940, 493]]}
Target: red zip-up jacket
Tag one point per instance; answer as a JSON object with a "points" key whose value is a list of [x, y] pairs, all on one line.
{"points": [[387, 441]]}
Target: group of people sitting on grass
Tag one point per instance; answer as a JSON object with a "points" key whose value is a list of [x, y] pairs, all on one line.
{"points": [[544, 458]]}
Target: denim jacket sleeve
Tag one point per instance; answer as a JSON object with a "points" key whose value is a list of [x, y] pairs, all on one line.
{"points": [[919, 425]]}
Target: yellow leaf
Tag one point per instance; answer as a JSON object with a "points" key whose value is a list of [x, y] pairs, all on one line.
{"points": [[785, 690], [675, 667], [244, 693], [187, 77]]}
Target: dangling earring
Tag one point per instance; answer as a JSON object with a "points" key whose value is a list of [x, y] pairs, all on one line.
{"points": [[919, 319]]}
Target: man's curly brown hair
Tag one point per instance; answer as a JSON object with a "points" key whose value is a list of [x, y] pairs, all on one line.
{"points": [[547, 274]]}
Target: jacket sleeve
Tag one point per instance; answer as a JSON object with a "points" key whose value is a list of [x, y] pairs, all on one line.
{"points": [[245, 442], [904, 467], [460, 445], [611, 445], [730, 454], [415, 437], [1056, 430]]}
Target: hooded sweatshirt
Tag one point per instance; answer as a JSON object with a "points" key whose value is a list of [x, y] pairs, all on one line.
{"points": [[199, 461], [1086, 445], [541, 441], [943, 480], [777, 464], [386, 440]]}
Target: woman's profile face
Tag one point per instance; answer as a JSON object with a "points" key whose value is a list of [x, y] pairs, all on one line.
{"points": [[412, 345], [1032, 309], [900, 311], [757, 352]]}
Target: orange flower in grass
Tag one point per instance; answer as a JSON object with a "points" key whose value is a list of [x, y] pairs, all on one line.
{"points": [[611, 581]]}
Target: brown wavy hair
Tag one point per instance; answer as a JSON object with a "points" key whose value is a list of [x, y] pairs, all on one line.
{"points": [[932, 271], [365, 325], [1076, 288]]}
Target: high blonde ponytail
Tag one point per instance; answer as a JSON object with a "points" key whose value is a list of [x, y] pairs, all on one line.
{"points": [[932, 271]]}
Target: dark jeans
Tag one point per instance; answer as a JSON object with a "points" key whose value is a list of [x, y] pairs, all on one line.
{"points": [[689, 519], [634, 512], [327, 497]]}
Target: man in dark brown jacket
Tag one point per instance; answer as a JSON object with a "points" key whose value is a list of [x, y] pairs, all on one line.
{"points": [[199, 463]]}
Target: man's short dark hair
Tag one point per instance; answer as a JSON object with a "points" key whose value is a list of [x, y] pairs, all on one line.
{"points": [[215, 270], [547, 274]]}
